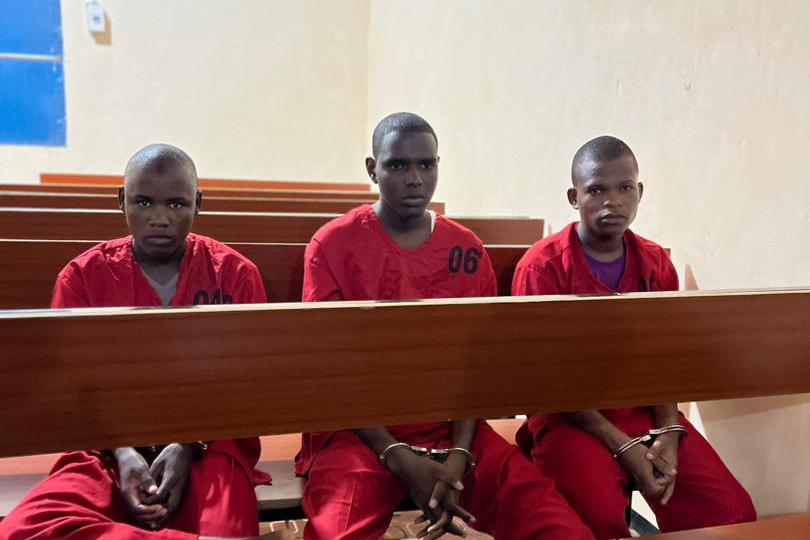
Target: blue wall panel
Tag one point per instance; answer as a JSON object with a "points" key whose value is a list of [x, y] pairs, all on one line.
{"points": [[32, 107], [31, 27], [32, 92]]}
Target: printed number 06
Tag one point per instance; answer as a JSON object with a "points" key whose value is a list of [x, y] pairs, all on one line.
{"points": [[468, 260]]}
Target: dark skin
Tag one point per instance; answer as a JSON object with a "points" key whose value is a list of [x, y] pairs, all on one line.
{"points": [[160, 209], [406, 171], [607, 194]]}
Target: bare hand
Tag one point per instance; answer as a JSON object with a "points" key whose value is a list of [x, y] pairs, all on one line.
{"points": [[642, 471], [435, 488], [170, 470], [137, 487], [663, 455]]}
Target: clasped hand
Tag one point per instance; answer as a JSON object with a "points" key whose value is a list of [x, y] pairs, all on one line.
{"points": [[152, 494], [654, 469], [435, 488]]}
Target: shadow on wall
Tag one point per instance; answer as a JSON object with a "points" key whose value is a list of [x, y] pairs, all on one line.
{"points": [[105, 37]]}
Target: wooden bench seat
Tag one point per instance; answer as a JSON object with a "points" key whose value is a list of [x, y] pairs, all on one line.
{"points": [[117, 180], [207, 192], [68, 224], [29, 268], [22, 199]]}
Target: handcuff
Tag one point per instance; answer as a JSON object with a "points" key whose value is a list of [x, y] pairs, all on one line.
{"points": [[436, 454], [648, 437]]}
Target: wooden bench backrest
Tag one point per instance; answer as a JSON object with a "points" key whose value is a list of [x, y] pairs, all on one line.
{"points": [[208, 192], [358, 364], [29, 268], [117, 180], [66, 224], [22, 199]]}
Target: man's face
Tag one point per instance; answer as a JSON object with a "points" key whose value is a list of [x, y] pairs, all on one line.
{"points": [[607, 194], [407, 170], [160, 209]]}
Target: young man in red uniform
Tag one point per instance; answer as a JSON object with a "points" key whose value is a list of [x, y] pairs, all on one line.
{"points": [[592, 455], [180, 490], [396, 249]]}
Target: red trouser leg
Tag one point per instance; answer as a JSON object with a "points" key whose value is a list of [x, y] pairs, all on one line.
{"points": [[219, 499], [349, 494], [706, 493], [587, 476], [511, 499], [79, 500]]}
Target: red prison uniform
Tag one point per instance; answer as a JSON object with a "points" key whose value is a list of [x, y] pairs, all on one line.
{"points": [[80, 499], [349, 493], [586, 473]]}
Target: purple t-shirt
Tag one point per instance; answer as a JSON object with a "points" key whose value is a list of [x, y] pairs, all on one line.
{"points": [[609, 273]]}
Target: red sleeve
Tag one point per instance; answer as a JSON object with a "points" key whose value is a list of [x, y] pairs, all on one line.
{"points": [[320, 284], [489, 282], [249, 286], [529, 281], [69, 292], [669, 275]]}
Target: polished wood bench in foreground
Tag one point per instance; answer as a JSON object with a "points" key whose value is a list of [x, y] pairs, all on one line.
{"points": [[56, 369]]}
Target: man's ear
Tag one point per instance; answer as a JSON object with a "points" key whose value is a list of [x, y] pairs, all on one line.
{"points": [[371, 164], [198, 202], [121, 198], [572, 197], [640, 190]]}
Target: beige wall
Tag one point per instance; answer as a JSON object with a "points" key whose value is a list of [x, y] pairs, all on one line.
{"points": [[712, 96], [250, 88]]}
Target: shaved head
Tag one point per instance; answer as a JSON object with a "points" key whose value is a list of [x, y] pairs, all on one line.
{"points": [[159, 159], [604, 148], [401, 122]]}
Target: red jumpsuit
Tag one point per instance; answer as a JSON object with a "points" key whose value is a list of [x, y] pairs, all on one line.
{"points": [[80, 498], [349, 493], [586, 473]]}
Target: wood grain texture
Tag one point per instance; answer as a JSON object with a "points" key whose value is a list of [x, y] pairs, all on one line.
{"points": [[117, 180], [208, 192], [22, 199], [69, 224], [317, 367], [794, 527], [29, 268]]}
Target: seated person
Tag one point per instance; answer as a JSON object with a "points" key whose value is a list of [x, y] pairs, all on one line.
{"points": [[592, 455], [174, 491], [397, 249]]}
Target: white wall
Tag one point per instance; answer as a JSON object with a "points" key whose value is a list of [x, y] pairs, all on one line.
{"points": [[250, 88], [713, 98]]}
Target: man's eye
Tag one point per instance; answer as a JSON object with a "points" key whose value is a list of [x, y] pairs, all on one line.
{"points": [[429, 165], [397, 166], [176, 205], [627, 188], [144, 204], [595, 190]]}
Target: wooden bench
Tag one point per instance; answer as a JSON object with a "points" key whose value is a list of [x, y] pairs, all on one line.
{"points": [[29, 268], [117, 180], [714, 344], [208, 192], [23, 199], [69, 224]]}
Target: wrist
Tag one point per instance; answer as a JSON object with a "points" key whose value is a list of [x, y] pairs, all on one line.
{"points": [[124, 452], [394, 459]]}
